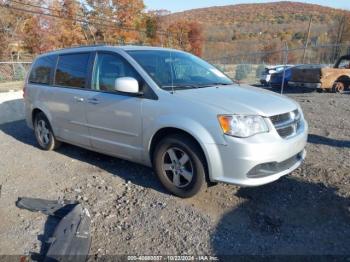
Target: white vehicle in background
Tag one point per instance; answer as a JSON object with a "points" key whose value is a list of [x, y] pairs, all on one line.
{"points": [[269, 70]]}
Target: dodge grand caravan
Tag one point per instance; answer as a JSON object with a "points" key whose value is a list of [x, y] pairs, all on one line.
{"points": [[167, 109]]}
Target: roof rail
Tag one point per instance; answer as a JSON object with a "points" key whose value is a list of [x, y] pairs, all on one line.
{"points": [[82, 46], [75, 47]]}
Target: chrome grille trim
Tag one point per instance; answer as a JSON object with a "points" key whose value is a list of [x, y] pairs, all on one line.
{"points": [[288, 124]]}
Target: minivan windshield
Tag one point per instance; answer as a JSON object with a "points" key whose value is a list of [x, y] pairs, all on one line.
{"points": [[178, 70]]}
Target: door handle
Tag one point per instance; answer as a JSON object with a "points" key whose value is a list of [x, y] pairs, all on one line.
{"points": [[93, 101], [78, 99]]}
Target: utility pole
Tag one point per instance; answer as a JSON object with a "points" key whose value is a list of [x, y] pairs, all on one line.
{"points": [[307, 39], [285, 62], [339, 37]]}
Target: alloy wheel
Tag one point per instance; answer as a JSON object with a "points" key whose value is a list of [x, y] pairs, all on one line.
{"points": [[178, 167], [43, 132]]}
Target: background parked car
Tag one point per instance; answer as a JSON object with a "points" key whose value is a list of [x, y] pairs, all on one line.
{"points": [[323, 77], [265, 77], [276, 79]]}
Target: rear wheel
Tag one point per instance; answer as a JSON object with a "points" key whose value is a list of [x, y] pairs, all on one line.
{"points": [[179, 165], [338, 87], [44, 134]]}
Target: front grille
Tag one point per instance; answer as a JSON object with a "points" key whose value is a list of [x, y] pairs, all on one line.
{"points": [[267, 169], [280, 118], [284, 132], [290, 161], [288, 124]]}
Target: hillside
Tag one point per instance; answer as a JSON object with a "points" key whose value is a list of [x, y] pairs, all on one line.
{"points": [[252, 27]]}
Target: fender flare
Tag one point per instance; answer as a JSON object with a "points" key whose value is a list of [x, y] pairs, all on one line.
{"points": [[205, 139], [42, 108]]}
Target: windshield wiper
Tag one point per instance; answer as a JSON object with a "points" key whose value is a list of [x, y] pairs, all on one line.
{"points": [[192, 86], [179, 87], [220, 84], [212, 84]]}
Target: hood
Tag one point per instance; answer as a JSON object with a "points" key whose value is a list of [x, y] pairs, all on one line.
{"points": [[244, 99]]}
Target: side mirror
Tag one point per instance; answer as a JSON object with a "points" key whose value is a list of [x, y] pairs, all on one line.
{"points": [[127, 85]]}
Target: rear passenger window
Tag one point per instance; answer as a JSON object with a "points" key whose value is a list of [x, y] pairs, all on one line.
{"points": [[42, 69], [72, 70]]}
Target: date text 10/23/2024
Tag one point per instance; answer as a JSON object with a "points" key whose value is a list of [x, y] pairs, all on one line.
{"points": [[172, 258]]}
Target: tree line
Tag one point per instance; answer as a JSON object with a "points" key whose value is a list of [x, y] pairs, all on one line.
{"points": [[266, 27], [39, 26]]}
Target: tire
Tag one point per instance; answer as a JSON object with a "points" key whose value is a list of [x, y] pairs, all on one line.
{"points": [[179, 165], [338, 87], [43, 133]]}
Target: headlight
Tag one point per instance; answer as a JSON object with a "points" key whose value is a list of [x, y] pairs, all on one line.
{"points": [[242, 126]]}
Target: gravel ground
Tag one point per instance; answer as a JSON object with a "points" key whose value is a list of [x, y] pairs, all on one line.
{"points": [[307, 212]]}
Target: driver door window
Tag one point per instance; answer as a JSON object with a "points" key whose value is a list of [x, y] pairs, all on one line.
{"points": [[109, 67]]}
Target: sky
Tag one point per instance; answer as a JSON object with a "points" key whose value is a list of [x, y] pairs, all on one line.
{"points": [[181, 5]]}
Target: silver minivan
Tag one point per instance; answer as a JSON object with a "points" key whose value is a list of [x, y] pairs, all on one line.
{"points": [[167, 109]]}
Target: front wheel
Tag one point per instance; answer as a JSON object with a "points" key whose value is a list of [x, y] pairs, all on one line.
{"points": [[180, 165], [44, 134]]}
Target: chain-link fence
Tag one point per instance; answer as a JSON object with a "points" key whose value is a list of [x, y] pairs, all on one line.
{"points": [[256, 68], [12, 75], [13, 71]]}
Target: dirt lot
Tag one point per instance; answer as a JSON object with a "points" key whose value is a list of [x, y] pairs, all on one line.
{"points": [[307, 212]]}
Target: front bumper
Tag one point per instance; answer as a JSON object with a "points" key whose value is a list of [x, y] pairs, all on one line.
{"points": [[263, 82], [265, 79], [302, 84], [257, 160]]}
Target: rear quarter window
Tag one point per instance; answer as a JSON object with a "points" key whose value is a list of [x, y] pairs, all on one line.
{"points": [[72, 70], [42, 70]]}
